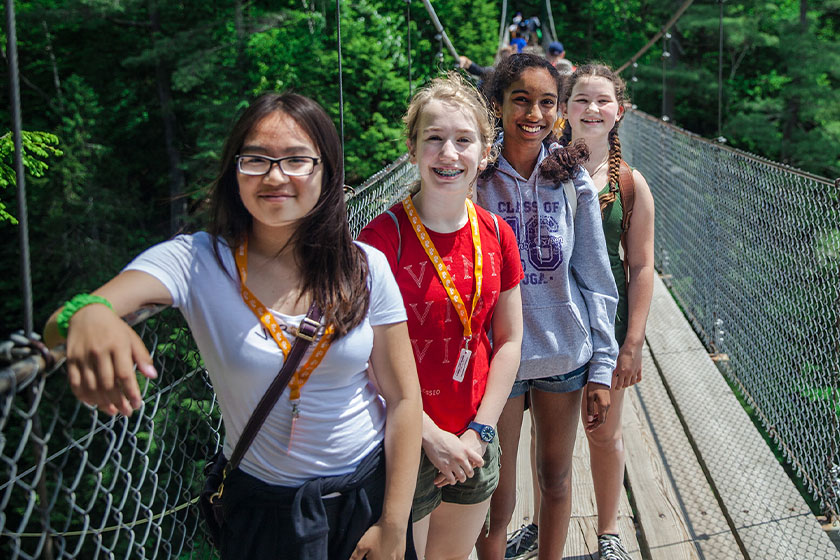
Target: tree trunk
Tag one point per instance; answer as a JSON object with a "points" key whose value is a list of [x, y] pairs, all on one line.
{"points": [[177, 200]]}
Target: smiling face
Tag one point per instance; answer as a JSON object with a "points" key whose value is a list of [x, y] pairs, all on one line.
{"points": [[448, 148], [529, 107], [276, 200], [592, 109]]}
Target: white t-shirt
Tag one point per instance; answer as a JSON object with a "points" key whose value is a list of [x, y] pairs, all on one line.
{"points": [[342, 418]]}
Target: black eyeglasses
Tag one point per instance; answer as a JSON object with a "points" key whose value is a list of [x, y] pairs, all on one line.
{"points": [[293, 166]]}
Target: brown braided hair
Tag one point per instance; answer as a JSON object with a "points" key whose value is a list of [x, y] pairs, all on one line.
{"points": [[614, 158]]}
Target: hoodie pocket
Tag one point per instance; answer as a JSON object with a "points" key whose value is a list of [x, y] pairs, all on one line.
{"points": [[557, 331]]}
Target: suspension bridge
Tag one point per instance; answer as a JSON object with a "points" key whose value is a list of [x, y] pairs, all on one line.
{"points": [[732, 437]]}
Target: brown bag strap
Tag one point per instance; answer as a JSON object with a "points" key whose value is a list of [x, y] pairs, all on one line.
{"points": [[306, 333], [627, 190]]}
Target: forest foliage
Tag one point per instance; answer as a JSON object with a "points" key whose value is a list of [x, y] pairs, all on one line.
{"points": [[127, 102]]}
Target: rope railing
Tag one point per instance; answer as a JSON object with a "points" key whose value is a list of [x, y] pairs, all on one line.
{"points": [[751, 250], [76, 483]]}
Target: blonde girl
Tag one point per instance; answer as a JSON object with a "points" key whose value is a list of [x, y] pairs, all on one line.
{"points": [[458, 270]]}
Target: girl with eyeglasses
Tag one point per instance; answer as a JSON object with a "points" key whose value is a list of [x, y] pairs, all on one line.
{"points": [[277, 242]]}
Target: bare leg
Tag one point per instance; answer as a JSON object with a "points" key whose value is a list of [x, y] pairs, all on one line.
{"points": [[606, 460], [556, 416], [492, 546], [453, 530], [535, 480], [420, 530]]}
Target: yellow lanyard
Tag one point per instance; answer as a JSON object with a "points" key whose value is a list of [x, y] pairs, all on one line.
{"points": [[267, 319], [440, 266]]}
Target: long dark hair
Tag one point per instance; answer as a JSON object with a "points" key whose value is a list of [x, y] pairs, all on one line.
{"points": [[562, 163], [600, 71], [334, 269]]}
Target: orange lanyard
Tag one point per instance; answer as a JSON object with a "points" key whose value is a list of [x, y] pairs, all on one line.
{"points": [[267, 319], [440, 266]]}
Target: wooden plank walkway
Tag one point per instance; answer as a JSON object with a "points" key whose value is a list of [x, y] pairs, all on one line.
{"points": [[702, 483]]}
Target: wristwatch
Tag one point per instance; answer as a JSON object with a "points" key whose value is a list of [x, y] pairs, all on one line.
{"points": [[485, 432]]}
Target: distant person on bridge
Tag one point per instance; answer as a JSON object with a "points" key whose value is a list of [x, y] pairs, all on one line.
{"points": [[569, 295], [277, 211], [593, 102], [458, 268], [481, 71], [556, 55]]}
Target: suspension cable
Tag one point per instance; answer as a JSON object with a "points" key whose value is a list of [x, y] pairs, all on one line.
{"points": [[503, 23], [408, 35], [340, 80], [720, 71], [17, 128], [439, 28], [551, 20], [656, 37]]}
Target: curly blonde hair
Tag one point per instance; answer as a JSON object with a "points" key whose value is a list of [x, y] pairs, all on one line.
{"points": [[452, 88]]}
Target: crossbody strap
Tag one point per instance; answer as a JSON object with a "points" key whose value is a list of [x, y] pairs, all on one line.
{"points": [[306, 333]]}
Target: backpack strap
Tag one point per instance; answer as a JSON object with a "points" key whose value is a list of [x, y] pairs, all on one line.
{"points": [[496, 225], [399, 236], [571, 196], [627, 191]]}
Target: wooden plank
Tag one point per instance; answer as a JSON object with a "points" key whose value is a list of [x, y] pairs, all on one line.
{"points": [[704, 521], [770, 517], [657, 507]]}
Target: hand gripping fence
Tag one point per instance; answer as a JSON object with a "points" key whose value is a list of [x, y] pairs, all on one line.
{"points": [[751, 251], [75, 483]]}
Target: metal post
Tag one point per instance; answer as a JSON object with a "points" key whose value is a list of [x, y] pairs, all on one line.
{"points": [[17, 130]]}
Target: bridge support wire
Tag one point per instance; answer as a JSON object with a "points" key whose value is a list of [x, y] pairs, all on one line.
{"points": [[440, 30], [656, 37]]}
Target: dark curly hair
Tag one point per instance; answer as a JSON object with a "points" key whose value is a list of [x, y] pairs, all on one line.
{"points": [[600, 71], [561, 164], [334, 268]]}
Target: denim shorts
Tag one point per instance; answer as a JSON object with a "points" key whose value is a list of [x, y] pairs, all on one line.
{"points": [[564, 383], [474, 490]]}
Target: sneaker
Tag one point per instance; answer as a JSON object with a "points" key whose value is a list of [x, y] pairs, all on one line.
{"points": [[522, 543], [610, 548]]}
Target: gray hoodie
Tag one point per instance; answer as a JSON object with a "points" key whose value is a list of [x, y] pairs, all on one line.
{"points": [[569, 296]]}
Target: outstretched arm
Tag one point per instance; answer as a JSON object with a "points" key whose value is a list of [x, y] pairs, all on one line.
{"points": [[102, 349], [396, 378]]}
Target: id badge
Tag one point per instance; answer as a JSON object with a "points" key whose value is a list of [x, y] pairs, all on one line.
{"points": [[463, 362], [286, 440]]}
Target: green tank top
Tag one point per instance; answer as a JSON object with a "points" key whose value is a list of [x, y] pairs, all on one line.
{"points": [[612, 233]]}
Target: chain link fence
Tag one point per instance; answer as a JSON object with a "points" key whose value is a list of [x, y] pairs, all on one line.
{"points": [[751, 251], [75, 483]]}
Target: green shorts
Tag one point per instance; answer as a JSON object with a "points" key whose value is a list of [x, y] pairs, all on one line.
{"points": [[472, 491]]}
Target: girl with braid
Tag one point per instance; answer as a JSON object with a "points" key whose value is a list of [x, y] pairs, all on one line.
{"points": [[568, 294], [593, 104]]}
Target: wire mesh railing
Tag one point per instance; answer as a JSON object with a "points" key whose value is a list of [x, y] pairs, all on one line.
{"points": [[76, 483], [751, 250]]}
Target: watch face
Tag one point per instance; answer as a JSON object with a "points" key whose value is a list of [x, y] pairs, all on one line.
{"points": [[487, 433]]}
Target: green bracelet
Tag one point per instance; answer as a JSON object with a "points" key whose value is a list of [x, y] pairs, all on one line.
{"points": [[73, 305]]}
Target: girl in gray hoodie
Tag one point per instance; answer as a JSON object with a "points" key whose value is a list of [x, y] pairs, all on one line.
{"points": [[569, 295]]}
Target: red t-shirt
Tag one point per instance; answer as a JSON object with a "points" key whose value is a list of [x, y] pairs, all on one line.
{"points": [[436, 333]]}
